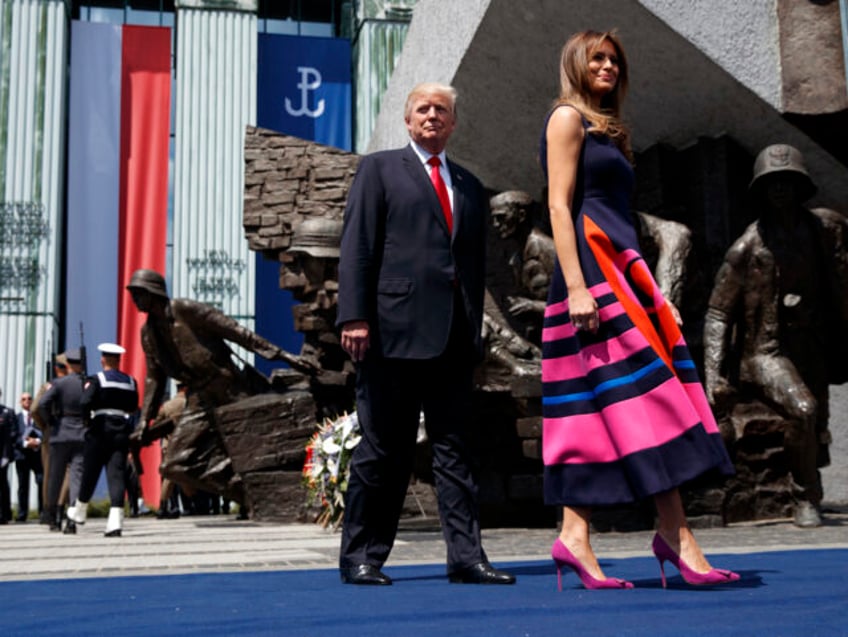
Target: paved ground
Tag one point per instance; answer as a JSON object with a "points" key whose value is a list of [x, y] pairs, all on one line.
{"points": [[222, 543]]}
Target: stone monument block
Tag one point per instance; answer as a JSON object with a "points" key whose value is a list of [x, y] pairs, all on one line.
{"points": [[267, 431]]}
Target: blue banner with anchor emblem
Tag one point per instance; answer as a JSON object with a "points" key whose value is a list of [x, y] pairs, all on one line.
{"points": [[303, 89]]}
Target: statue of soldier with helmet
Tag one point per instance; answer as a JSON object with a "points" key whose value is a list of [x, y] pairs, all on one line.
{"points": [[310, 271], [188, 340], [775, 327]]}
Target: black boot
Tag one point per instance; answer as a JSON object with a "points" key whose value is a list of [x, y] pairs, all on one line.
{"points": [[167, 512], [56, 515]]}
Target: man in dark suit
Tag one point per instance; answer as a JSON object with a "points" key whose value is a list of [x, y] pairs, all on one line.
{"points": [[27, 457], [8, 425], [410, 307]]}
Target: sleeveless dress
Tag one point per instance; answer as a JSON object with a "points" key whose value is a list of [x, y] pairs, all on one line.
{"points": [[624, 413]]}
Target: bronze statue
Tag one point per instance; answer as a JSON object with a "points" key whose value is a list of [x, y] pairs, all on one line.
{"points": [[666, 244], [310, 271], [187, 341], [514, 218], [310, 264], [776, 321]]}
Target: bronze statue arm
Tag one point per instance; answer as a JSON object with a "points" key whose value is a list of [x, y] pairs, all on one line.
{"points": [[519, 305], [726, 294], [154, 382], [218, 323], [674, 242], [499, 332]]}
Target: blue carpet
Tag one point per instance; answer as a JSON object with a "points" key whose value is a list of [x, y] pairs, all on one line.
{"points": [[781, 594]]}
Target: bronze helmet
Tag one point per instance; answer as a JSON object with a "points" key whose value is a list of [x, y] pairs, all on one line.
{"points": [[317, 237], [783, 158], [148, 280]]}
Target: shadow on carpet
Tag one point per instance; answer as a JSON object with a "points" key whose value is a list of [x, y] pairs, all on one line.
{"points": [[781, 594]]}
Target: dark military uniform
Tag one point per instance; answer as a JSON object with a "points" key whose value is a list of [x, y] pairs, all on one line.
{"points": [[60, 408], [8, 426], [111, 398]]}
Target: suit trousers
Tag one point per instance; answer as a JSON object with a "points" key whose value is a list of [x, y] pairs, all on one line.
{"points": [[390, 394], [31, 462]]}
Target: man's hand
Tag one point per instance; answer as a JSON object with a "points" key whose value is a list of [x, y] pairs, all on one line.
{"points": [[356, 339]]}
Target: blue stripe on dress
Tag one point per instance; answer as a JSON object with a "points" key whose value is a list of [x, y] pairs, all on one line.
{"points": [[607, 385], [591, 402], [610, 371]]}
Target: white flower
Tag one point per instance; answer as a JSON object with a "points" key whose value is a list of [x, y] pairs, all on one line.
{"points": [[330, 447], [350, 443]]}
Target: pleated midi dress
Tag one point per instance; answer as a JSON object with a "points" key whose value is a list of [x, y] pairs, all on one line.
{"points": [[624, 413]]}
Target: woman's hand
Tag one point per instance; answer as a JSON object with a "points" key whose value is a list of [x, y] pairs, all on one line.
{"points": [[583, 310]]}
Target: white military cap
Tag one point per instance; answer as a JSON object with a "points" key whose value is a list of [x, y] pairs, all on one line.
{"points": [[111, 348]]}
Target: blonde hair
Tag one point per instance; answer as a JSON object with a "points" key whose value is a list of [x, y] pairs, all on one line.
{"points": [[575, 87], [430, 88]]}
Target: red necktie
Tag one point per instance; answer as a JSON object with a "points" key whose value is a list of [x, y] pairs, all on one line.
{"points": [[441, 189]]}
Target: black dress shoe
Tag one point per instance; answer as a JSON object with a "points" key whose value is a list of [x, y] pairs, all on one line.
{"points": [[70, 527], [364, 574], [481, 573], [113, 533]]}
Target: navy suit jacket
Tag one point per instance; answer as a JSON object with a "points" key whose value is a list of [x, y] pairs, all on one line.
{"points": [[399, 269], [20, 430]]}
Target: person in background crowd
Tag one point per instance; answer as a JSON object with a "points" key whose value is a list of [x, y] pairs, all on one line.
{"points": [[60, 409], [8, 427], [27, 457], [60, 368]]}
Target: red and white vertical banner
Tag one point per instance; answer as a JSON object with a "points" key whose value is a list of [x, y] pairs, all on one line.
{"points": [[120, 101]]}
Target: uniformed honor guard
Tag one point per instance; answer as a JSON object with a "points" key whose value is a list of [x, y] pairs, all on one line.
{"points": [[60, 409], [110, 398]]}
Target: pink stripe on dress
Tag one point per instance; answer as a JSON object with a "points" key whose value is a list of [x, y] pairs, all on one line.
{"points": [[610, 435], [700, 404], [594, 356]]}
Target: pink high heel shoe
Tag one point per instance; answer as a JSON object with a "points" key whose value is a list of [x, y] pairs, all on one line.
{"points": [[563, 557], [714, 576]]}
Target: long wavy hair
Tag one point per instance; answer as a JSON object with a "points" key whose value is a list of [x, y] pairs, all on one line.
{"points": [[575, 86]]}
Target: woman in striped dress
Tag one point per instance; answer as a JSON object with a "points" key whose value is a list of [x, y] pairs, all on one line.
{"points": [[625, 416]]}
